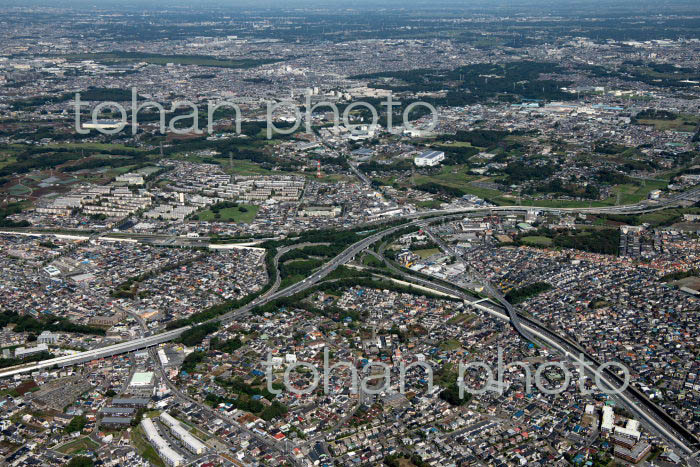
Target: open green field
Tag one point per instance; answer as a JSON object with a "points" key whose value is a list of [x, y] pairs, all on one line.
{"points": [[494, 196], [245, 168], [113, 172], [433, 204], [291, 280], [687, 123], [637, 97], [231, 214], [663, 217], [6, 160], [630, 193], [450, 344], [194, 158], [428, 252], [456, 176], [80, 444], [462, 318], [371, 261], [537, 240], [666, 215], [19, 190], [195, 430], [455, 144]]}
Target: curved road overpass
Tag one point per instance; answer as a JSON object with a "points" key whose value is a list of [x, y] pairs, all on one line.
{"points": [[689, 445]]}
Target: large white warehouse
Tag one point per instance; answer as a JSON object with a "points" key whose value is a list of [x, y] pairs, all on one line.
{"points": [[429, 158]]}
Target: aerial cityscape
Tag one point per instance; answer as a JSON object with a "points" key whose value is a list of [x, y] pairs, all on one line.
{"points": [[324, 233]]}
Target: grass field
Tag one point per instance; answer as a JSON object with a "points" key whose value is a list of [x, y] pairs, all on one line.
{"points": [[450, 344], [231, 214], [80, 444], [7, 160], [245, 168], [333, 178], [456, 176], [19, 190], [119, 170], [196, 431], [630, 193], [371, 261], [461, 318], [291, 280], [455, 144], [428, 252], [537, 240], [687, 123], [562, 203], [666, 215], [434, 204]]}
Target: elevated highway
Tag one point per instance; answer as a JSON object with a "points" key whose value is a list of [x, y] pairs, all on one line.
{"points": [[149, 341], [529, 329], [95, 354], [632, 398]]}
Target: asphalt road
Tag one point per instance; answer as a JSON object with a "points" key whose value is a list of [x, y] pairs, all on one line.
{"points": [[664, 425], [347, 255]]}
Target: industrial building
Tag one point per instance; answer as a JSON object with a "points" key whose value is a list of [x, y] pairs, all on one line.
{"points": [[142, 379], [22, 352], [169, 455], [429, 159], [188, 440]]}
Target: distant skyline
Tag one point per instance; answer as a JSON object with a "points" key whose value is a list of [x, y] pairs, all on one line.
{"points": [[560, 7]]}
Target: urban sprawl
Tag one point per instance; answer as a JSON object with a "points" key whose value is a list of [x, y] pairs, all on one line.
{"points": [[257, 287]]}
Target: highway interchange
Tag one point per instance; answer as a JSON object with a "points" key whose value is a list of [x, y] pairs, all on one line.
{"points": [[671, 430]]}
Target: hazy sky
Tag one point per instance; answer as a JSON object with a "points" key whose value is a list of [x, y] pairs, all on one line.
{"points": [[504, 7], [345, 4]]}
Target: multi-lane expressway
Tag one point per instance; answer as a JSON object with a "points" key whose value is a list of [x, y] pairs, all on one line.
{"points": [[347, 255], [532, 330], [149, 341], [342, 258], [102, 352]]}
